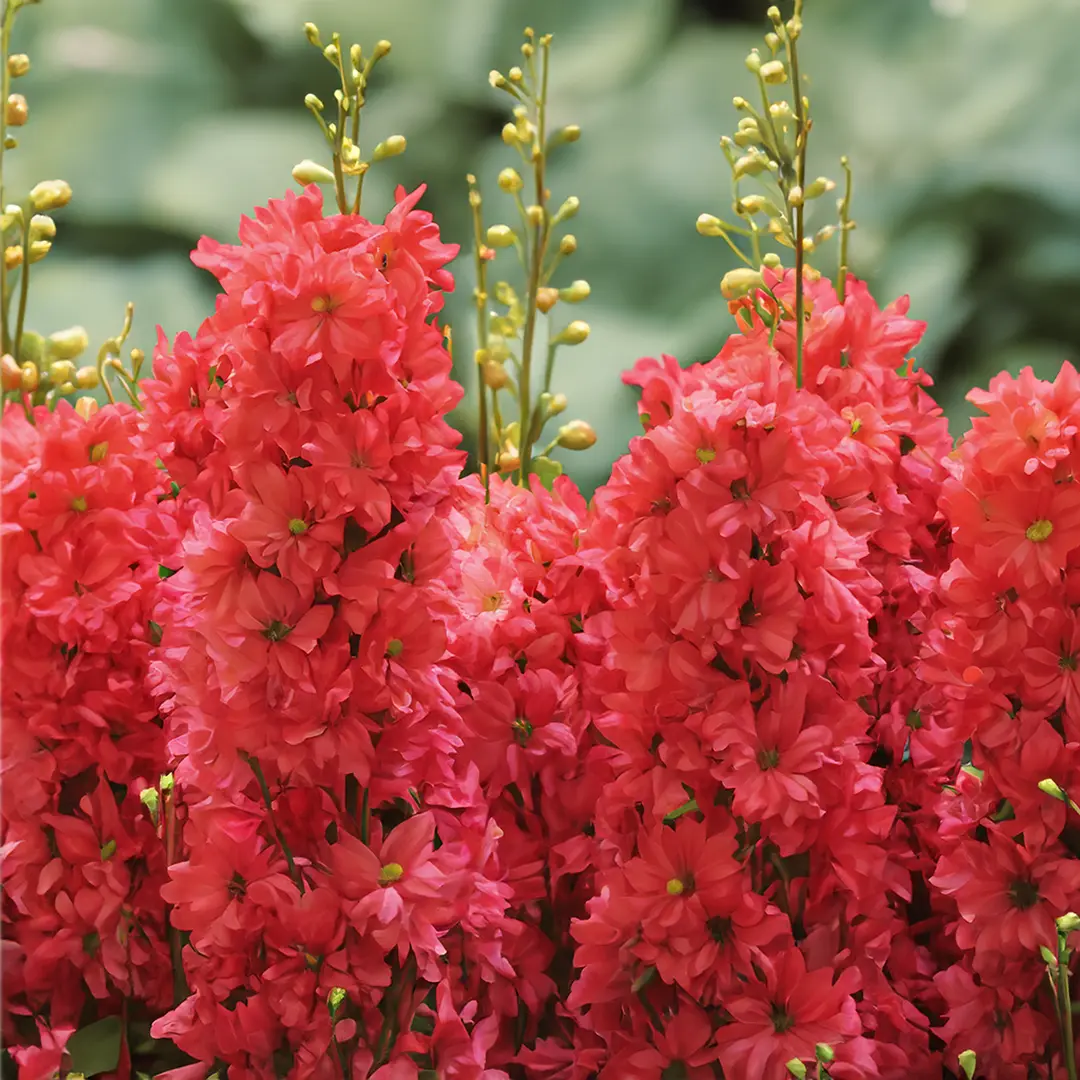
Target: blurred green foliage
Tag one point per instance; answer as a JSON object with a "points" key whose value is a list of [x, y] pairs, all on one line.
{"points": [[171, 118]]}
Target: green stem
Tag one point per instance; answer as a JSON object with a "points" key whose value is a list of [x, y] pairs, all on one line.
{"points": [[801, 130], [549, 368], [5, 82], [24, 281], [845, 228], [390, 1025], [256, 768], [483, 449], [1068, 1042], [539, 249]]}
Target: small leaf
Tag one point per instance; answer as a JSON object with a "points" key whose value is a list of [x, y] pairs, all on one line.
{"points": [[96, 1048], [164, 572]]}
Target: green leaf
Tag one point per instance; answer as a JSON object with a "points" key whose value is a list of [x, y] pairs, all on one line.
{"points": [[547, 470], [165, 573], [96, 1048]]}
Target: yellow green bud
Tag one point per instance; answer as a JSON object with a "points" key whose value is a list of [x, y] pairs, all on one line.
{"points": [[515, 74], [497, 80], [50, 195], [311, 32], [67, 344], [42, 227], [557, 404], [86, 378], [18, 64], [816, 188], [494, 374], [10, 375], [534, 214], [86, 407], [968, 1063], [771, 261], [32, 348], [752, 164], [572, 334], [773, 14], [708, 225], [152, 801], [510, 180], [500, 236], [546, 299], [311, 172], [577, 435], [796, 1068], [739, 282], [569, 208], [18, 112], [568, 244], [390, 147], [314, 102], [1068, 923], [30, 376], [510, 134], [795, 196], [824, 234], [753, 61], [61, 371], [332, 53], [773, 41], [575, 292], [774, 72], [39, 249], [1051, 788], [569, 134], [382, 48], [780, 110]]}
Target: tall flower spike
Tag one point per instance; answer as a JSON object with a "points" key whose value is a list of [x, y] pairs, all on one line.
{"points": [[343, 133], [769, 147], [506, 343]]}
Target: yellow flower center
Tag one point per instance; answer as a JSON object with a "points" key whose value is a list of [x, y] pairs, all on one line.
{"points": [[391, 872], [78, 504], [1040, 530], [297, 526], [675, 887], [321, 303], [492, 602]]}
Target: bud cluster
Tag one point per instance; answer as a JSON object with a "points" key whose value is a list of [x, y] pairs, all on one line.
{"points": [[506, 338], [342, 134]]}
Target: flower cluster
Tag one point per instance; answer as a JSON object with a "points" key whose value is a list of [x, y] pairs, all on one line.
{"points": [[87, 524], [760, 548], [999, 664]]}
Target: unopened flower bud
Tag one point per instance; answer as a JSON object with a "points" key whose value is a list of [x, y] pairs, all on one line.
{"points": [[773, 15], [50, 195], [61, 371], [86, 378], [774, 72], [568, 244], [500, 236], [575, 292], [824, 1053], [572, 334], [1068, 923], [98, 452], [311, 32], [30, 376], [1051, 788], [534, 215], [32, 348], [17, 110], [12, 215], [773, 41], [67, 344], [795, 196], [510, 180], [752, 164], [494, 374], [382, 48], [771, 261], [497, 80], [740, 103], [388, 148], [42, 227], [152, 801], [510, 134], [313, 102], [577, 435], [569, 208], [515, 74], [546, 298], [39, 249], [86, 407], [10, 375], [18, 64], [13, 256], [968, 1063], [508, 461], [780, 110], [311, 172], [752, 204], [796, 1069], [739, 282], [557, 404], [335, 999], [356, 58], [816, 188], [332, 53], [753, 61], [824, 234], [708, 225], [569, 134]]}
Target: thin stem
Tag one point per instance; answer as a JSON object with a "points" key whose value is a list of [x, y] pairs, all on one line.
{"points": [[5, 81], [845, 228], [256, 768], [1068, 1042], [24, 281], [483, 449], [549, 368], [388, 1034], [539, 239], [801, 129]]}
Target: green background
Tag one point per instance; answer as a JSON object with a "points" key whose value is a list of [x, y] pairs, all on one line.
{"points": [[171, 118]]}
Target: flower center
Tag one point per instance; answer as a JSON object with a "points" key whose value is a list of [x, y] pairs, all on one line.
{"points": [[1023, 894], [1068, 662], [237, 887], [394, 647], [322, 303], [78, 504], [277, 631], [1039, 530], [522, 730], [782, 1020], [768, 759], [297, 526], [705, 455], [492, 602], [391, 872], [675, 887]]}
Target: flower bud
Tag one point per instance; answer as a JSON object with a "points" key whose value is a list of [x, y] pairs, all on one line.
{"points": [[739, 282], [508, 460], [572, 334], [85, 407], [497, 80], [774, 72], [388, 148], [752, 204], [752, 164], [1068, 923], [509, 134], [313, 102], [18, 111], [332, 53], [39, 249], [577, 435], [30, 376], [494, 375], [500, 236], [575, 292], [61, 371], [311, 172], [773, 41], [42, 227], [152, 801], [771, 261], [557, 404], [546, 299], [824, 1053], [335, 999], [67, 344], [1048, 956], [773, 15], [10, 375], [753, 61], [32, 348], [824, 234], [568, 244], [515, 74], [1051, 788], [311, 32], [816, 188], [569, 134], [18, 64], [382, 48], [86, 378], [796, 1069], [795, 196], [968, 1063], [569, 208], [708, 225], [740, 103], [780, 110], [50, 195], [534, 215], [510, 180]]}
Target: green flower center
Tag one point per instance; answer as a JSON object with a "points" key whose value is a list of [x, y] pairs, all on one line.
{"points": [[1039, 530]]}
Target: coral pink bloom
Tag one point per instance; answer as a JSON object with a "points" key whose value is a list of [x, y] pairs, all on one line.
{"points": [[1050, 666], [785, 1016], [1008, 898], [681, 1049], [397, 890]]}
